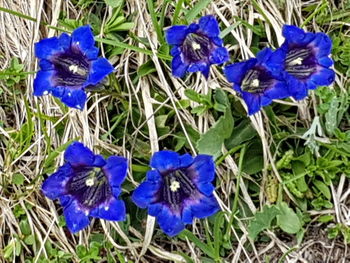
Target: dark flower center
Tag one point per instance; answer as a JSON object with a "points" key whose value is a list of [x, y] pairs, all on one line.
{"points": [[72, 68], [177, 187], [196, 48], [300, 62], [257, 80], [89, 186]]}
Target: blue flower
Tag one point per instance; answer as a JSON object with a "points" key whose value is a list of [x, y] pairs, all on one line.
{"points": [[255, 83], [178, 189], [196, 47], [68, 65], [87, 185], [305, 61]]}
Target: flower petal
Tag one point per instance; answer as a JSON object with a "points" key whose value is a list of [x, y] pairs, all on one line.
{"points": [[47, 47], [100, 68], [263, 55], [76, 218], [278, 91], [252, 101], [325, 62], [145, 194], [84, 38], [204, 207], [116, 170], [74, 98], [170, 222], [153, 176], [293, 33], [202, 169], [219, 56], [178, 67], [209, 26], [113, 210], [55, 185], [42, 83], [206, 188], [176, 35], [236, 72], [46, 64], [79, 155], [155, 209], [322, 44], [187, 215], [324, 77], [165, 161], [297, 89]]}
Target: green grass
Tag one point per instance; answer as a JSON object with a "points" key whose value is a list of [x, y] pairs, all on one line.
{"points": [[282, 174]]}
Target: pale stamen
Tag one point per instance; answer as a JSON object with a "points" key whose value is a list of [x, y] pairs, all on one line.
{"points": [[175, 185]]}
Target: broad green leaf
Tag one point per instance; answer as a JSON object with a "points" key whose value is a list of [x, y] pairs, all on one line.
{"points": [[287, 219], [192, 95], [300, 172], [146, 68], [253, 161], [211, 141], [323, 188], [18, 179], [262, 220], [113, 3], [240, 134]]}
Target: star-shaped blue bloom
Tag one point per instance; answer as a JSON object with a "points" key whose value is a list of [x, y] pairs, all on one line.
{"points": [[87, 186], [305, 61], [68, 65], [178, 189], [196, 47], [254, 82]]}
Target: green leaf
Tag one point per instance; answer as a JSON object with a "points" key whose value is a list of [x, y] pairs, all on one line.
{"points": [[240, 134], [114, 3], [146, 68], [192, 95], [25, 227], [192, 14], [18, 179], [211, 141], [262, 220], [253, 161], [323, 188], [202, 246], [29, 240], [288, 220]]}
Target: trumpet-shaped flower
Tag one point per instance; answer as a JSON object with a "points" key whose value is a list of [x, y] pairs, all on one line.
{"points": [[87, 186], [196, 47], [68, 65], [178, 189], [305, 61], [255, 83]]}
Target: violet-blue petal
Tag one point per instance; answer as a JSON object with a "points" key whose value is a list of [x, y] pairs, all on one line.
{"points": [[235, 72], [322, 44], [153, 176], [43, 83], [55, 185], [178, 67], [297, 89], [76, 218], [324, 77], [325, 62], [176, 35], [46, 65], [47, 47], [116, 170], [99, 161], [263, 55], [155, 209], [209, 26], [202, 169], [79, 155], [170, 222], [112, 209], [293, 33], [100, 68], [187, 215], [206, 188], [83, 37], [252, 101], [165, 161], [278, 91], [185, 160], [74, 98], [65, 41], [219, 56], [144, 194], [205, 206]]}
